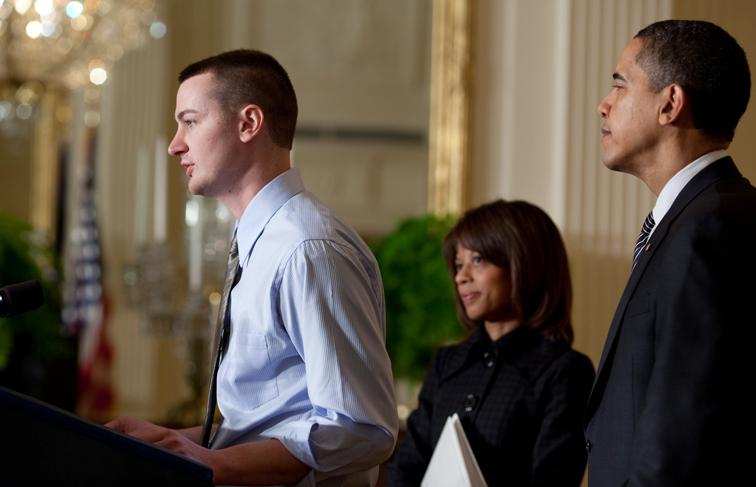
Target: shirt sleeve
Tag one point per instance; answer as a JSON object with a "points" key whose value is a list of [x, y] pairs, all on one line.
{"points": [[331, 305]]}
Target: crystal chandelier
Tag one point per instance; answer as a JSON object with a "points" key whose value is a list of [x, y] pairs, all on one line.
{"points": [[65, 45]]}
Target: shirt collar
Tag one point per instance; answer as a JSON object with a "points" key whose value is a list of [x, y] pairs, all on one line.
{"points": [[675, 185], [515, 348], [261, 209]]}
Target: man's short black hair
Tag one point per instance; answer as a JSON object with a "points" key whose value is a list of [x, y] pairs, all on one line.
{"points": [[249, 76], [707, 62]]}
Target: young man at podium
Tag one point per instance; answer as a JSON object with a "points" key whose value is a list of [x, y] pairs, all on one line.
{"points": [[301, 376]]}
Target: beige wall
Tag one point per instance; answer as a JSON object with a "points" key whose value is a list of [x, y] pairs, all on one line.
{"points": [[15, 171]]}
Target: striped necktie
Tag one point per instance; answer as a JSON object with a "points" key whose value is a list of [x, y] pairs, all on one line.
{"points": [[648, 225], [233, 274]]}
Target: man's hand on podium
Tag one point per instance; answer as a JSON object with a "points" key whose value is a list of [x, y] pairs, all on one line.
{"points": [[262, 462], [168, 438]]}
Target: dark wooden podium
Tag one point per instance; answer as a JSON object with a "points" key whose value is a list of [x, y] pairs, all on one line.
{"points": [[44, 445]]}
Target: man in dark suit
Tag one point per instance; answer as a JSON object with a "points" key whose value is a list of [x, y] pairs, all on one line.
{"points": [[671, 404]]}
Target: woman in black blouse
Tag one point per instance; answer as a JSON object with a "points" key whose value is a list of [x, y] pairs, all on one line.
{"points": [[516, 383]]}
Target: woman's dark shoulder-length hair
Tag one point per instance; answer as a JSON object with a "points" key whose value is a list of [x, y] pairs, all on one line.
{"points": [[521, 239]]}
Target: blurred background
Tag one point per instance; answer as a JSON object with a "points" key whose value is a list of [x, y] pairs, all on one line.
{"points": [[411, 111]]}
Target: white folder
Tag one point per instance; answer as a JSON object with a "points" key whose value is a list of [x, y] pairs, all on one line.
{"points": [[453, 463]]}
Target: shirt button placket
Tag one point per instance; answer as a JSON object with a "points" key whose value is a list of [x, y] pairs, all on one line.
{"points": [[489, 360], [471, 400]]}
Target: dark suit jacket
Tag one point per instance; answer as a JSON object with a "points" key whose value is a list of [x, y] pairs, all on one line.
{"points": [[672, 401], [521, 402]]}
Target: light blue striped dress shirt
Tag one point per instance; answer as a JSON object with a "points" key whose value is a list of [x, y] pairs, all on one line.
{"points": [[306, 361]]}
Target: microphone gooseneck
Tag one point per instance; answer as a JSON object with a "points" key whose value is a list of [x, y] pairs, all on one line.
{"points": [[20, 298]]}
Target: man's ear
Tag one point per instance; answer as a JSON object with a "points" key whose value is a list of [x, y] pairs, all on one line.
{"points": [[674, 103], [250, 122]]}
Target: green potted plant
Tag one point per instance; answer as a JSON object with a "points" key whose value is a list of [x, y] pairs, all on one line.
{"points": [[420, 311], [30, 343]]}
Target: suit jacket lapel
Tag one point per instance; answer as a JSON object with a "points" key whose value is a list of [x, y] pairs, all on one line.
{"points": [[721, 169]]}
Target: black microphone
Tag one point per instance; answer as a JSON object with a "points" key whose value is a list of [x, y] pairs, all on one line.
{"points": [[20, 298]]}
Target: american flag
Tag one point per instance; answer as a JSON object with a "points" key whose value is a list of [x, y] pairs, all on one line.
{"points": [[84, 307]]}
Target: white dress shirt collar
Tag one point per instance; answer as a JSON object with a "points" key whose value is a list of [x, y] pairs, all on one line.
{"points": [[261, 209], [674, 186]]}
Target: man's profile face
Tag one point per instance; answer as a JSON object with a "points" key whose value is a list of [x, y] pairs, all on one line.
{"points": [[205, 139], [630, 127]]}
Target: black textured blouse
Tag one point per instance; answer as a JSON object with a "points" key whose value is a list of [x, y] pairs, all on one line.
{"points": [[521, 401]]}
